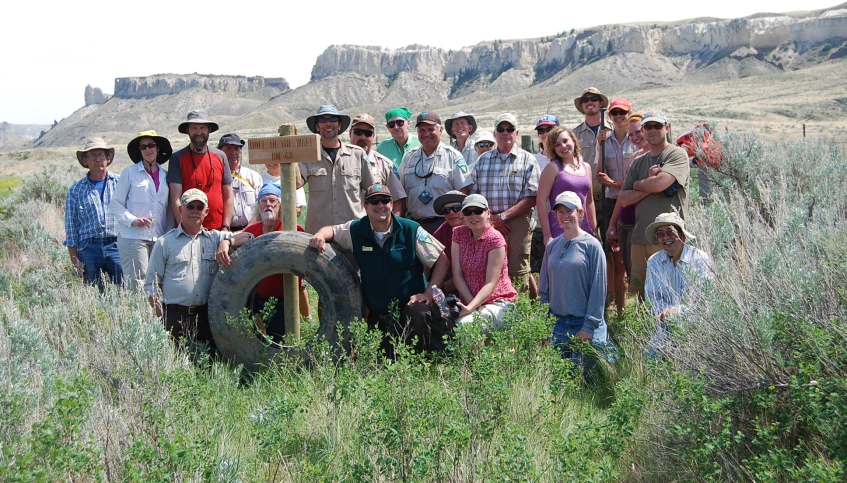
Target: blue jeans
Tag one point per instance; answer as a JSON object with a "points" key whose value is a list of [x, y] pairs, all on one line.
{"points": [[566, 328], [100, 254]]}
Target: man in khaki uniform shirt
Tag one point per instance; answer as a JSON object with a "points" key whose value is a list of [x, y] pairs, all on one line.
{"points": [[430, 171], [589, 104], [337, 182], [362, 134], [183, 264]]}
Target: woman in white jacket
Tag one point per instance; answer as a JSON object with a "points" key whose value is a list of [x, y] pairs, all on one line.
{"points": [[140, 204]]}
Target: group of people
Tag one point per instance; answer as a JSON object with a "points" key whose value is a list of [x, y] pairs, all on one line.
{"points": [[473, 218]]}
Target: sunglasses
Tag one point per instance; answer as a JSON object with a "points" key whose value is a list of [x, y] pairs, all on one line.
{"points": [[328, 119], [363, 132], [195, 206], [455, 209], [544, 130], [618, 112], [93, 156], [590, 99], [398, 123], [384, 200], [147, 146], [473, 211], [484, 144], [652, 126], [509, 129]]}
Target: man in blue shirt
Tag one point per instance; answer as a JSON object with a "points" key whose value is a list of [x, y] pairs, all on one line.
{"points": [[90, 233]]}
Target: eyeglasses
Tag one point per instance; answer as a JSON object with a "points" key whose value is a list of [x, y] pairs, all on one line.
{"points": [[652, 126], [93, 156], [544, 129], [195, 206], [363, 132], [398, 123], [455, 209], [484, 144], [473, 211], [590, 99], [328, 119], [669, 233], [509, 129], [269, 201], [618, 112], [384, 200], [145, 147]]}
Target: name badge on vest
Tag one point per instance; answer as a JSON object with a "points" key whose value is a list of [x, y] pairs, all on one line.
{"points": [[367, 249]]}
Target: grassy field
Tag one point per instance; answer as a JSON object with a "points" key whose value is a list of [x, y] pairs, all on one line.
{"points": [[754, 387]]}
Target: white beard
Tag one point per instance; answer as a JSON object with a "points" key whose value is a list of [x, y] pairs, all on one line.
{"points": [[268, 215]]}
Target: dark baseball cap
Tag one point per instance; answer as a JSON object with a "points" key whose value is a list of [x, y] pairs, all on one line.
{"points": [[428, 117]]}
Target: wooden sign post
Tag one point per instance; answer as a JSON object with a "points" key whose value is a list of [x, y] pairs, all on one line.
{"points": [[286, 149]]}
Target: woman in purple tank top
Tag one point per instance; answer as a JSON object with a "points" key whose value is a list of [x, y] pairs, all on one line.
{"points": [[566, 172]]}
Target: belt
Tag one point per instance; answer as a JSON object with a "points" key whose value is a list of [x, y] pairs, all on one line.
{"points": [[108, 239], [190, 310], [237, 228], [421, 221]]}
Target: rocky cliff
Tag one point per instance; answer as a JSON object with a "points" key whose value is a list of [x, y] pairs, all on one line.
{"points": [[697, 42], [167, 84], [94, 95]]}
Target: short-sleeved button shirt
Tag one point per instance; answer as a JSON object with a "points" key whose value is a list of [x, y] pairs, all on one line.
{"points": [[246, 184], [445, 170], [614, 164], [384, 172], [505, 179], [336, 189], [182, 267], [473, 259], [676, 164], [588, 145]]}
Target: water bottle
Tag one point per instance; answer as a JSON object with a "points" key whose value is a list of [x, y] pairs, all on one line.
{"points": [[438, 298]]}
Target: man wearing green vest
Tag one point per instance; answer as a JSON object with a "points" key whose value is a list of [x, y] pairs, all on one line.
{"points": [[395, 256], [401, 142]]}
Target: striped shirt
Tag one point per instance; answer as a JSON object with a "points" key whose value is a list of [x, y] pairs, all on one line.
{"points": [[678, 287], [504, 180], [85, 212]]}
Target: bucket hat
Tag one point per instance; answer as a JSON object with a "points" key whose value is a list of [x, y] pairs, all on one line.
{"points": [[604, 101], [328, 110], [448, 124], [453, 196], [197, 117], [165, 151], [663, 219], [92, 144]]}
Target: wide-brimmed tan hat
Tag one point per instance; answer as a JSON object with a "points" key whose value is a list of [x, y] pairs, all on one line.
{"points": [[92, 144], [163, 145], [197, 117], [604, 101], [672, 218], [448, 124]]}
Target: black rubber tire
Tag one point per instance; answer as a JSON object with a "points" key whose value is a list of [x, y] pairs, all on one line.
{"points": [[330, 274]]}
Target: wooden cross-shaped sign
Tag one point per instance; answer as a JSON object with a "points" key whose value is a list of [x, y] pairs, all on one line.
{"points": [[286, 149]]}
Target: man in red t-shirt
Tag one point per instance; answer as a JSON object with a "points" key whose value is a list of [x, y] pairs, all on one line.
{"points": [[267, 219], [201, 166]]}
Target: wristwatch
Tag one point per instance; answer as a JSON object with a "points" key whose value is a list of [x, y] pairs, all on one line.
{"points": [[225, 227], [503, 216]]}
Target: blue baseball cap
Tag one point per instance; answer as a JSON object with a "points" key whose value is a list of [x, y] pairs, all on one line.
{"points": [[546, 120]]}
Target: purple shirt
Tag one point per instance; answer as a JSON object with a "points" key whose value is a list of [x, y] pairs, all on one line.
{"points": [[565, 181]]}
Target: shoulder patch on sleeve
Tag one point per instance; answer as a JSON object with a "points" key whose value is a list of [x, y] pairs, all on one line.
{"points": [[423, 236]]}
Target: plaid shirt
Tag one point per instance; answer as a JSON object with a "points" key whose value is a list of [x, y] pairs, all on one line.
{"points": [[85, 213], [505, 180]]}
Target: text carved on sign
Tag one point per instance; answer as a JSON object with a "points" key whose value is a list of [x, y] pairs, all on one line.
{"points": [[284, 149]]}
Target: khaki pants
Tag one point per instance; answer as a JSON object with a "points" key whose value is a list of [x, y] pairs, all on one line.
{"points": [[134, 256], [519, 242], [640, 254]]}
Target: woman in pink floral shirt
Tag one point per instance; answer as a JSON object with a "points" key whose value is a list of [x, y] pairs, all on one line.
{"points": [[480, 271]]}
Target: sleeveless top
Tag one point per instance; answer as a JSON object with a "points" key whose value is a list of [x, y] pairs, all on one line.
{"points": [[565, 181]]}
